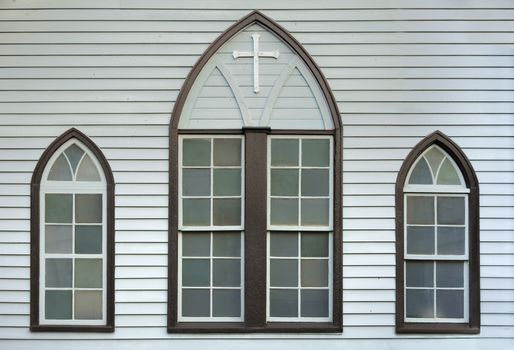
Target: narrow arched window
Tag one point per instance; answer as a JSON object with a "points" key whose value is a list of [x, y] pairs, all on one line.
{"points": [[437, 236], [72, 237]]}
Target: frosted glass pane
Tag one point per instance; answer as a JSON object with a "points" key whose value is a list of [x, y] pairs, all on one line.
{"points": [[58, 304], [284, 152], [314, 273], [283, 273], [284, 244], [315, 152], [88, 208], [196, 212], [450, 210], [447, 174], [226, 244], [226, 303], [88, 239], [314, 303], [227, 182], [283, 303], [420, 240], [450, 274], [420, 210], [419, 274], [87, 170], [284, 182], [450, 303], [434, 157], [195, 303], [58, 273], [314, 244], [58, 208], [88, 305], [196, 182], [196, 152], [227, 152], [196, 244], [315, 182], [419, 303], [226, 273], [421, 174], [451, 240], [284, 211], [227, 212], [88, 273], [315, 212], [74, 154], [60, 171], [196, 273], [58, 238]]}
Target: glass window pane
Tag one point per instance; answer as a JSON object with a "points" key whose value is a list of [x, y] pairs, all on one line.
{"points": [[315, 212], [315, 182], [447, 174], [419, 273], [226, 244], [314, 303], [88, 273], [74, 154], [450, 210], [58, 273], [284, 182], [60, 171], [88, 208], [87, 170], [434, 157], [88, 305], [195, 303], [284, 244], [420, 240], [419, 303], [227, 212], [421, 174], [450, 303], [58, 208], [196, 212], [58, 304], [284, 152], [196, 182], [283, 273], [284, 211], [227, 182], [283, 303], [451, 240], [226, 273], [314, 273], [315, 152], [420, 210], [196, 244], [58, 239], [196, 273], [314, 244], [227, 152], [88, 239], [450, 274], [196, 152], [226, 303]]}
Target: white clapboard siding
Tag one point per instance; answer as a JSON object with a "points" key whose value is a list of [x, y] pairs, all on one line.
{"points": [[399, 70]]}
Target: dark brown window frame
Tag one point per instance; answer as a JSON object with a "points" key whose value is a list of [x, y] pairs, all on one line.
{"points": [[35, 326], [255, 201], [456, 153]]}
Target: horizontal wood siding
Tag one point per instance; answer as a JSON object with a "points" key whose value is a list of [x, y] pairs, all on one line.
{"points": [[399, 70]]}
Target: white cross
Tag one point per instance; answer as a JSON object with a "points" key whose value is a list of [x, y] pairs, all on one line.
{"points": [[255, 54]]}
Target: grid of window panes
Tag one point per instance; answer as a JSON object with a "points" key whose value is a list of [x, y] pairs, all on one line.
{"points": [[212, 219]]}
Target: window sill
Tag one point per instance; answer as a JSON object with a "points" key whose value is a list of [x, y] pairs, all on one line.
{"points": [[441, 328], [282, 327], [71, 328]]}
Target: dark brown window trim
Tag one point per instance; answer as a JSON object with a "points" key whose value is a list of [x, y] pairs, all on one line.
{"points": [[255, 225], [34, 236], [473, 326]]}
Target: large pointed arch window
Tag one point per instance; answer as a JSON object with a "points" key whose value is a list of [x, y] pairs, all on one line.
{"points": [[437, 236], [72, 237]]}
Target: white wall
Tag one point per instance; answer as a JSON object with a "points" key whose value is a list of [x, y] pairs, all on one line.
{"points": [[399, 69]]}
